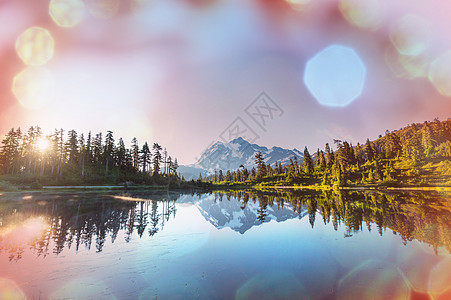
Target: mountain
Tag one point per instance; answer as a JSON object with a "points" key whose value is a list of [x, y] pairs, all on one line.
{"points": [[231, 155], [223, 212]]}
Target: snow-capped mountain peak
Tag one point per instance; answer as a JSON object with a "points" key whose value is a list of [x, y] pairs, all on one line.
{"points": [[237, 152]]}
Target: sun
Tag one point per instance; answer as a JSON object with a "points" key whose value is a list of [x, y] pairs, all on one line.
{"points": [[43, 144]]}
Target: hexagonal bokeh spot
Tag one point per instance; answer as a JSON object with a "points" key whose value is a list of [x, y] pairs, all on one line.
{"points": [[335, 76]]}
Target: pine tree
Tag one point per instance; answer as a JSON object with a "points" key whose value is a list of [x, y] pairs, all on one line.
{"points": [[260, 162], [369, 150], [89, 148], [165, 160], [329, 156], [322, 160], [109, 149], [156, 158], [82, 154], [338, 174], [61, 153], [358, 153], [8, 152], [98, 148], [72, 147], [170, 165], [175, 166], [145, 157], [308, 162], [121, 154], [135, 153]]}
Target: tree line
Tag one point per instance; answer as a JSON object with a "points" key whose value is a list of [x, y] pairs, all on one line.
{"points": [[416, 154], [77, 158]]}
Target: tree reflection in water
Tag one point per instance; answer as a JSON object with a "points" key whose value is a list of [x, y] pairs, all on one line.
{"points": [[80, 220], [87, 219], [424, 216]]}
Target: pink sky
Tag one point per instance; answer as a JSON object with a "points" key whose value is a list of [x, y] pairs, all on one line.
{"points": [[179, 72]]}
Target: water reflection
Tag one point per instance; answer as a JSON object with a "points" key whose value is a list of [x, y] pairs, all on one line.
{"points": [[240, 244], [411, 215], [71, 220], [77, 220]]}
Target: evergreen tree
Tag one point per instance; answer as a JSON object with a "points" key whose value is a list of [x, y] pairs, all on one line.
{"points": [[72, 147], [135, 153], [121, 154], [9, 149], [109, 150], [322, 160], [145, 157], [308, 162], [156, 158], [82, 154], [97, 148], [358, 153], [369, 150], [261, 167], [175, 166], [89, 148], [329, 157]]}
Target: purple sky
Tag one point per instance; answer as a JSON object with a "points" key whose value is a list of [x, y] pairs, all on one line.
{"points": [[180, 72]]}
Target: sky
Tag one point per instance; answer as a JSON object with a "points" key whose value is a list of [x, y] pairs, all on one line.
{"points": [[289, 73]]}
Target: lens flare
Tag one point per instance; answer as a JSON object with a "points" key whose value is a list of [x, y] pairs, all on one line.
{"points": [[33, 87], [415, 66], [67, 13], [84, 288], [440, 277], [373, 280], [440, 73], [335, 76], [103, 9], [405, 66], [298, 4], [410, 35], [10, 290], [416, 266], [274, 285], [362, 14], [35, 46], [16, 236]]}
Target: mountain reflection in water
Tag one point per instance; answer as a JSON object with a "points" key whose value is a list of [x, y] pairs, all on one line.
{"points": [[61, 225]]}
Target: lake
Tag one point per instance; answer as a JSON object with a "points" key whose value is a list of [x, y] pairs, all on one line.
{"points": [[235, 245]]}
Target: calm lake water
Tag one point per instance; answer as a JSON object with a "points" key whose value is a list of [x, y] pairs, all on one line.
{"points": [[241, 245]]}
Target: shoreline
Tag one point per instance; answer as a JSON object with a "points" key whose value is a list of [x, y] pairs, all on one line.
{"points": [[373, 188], [241, 187]]}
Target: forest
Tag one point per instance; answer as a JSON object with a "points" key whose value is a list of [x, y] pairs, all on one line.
{"points": [[417, 155], [34, 159]]}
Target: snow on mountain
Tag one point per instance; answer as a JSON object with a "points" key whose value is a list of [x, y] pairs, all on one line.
{"points": [[231, 155]]}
